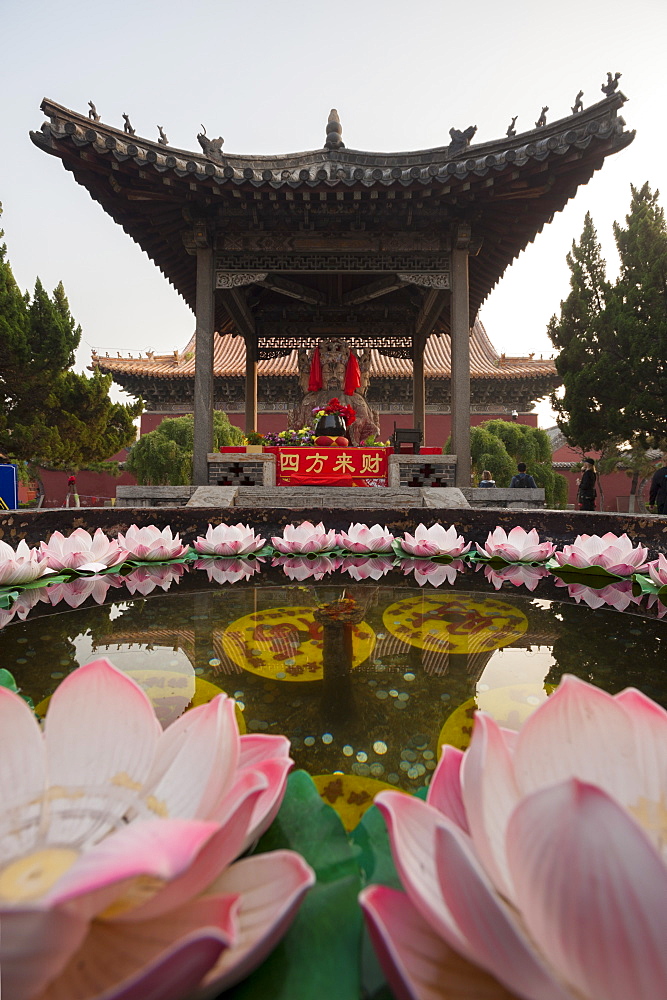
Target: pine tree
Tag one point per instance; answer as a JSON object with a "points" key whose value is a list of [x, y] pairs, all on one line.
{"points": [[613, 338], [582, 338], [639, 312], [50, 415]]}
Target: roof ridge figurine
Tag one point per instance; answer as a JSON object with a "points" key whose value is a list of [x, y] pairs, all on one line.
{"points": [[460, 140], [542, 120], [212, 147], [163, 138], [611, 85], [511, 131], [334, 139], [92, 114], [578, 106], [127, 127]]}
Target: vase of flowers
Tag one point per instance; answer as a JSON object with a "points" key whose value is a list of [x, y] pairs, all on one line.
{"points": [[333, 419]]}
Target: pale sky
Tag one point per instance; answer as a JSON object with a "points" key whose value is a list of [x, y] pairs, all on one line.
{"points": [[265, 75]]}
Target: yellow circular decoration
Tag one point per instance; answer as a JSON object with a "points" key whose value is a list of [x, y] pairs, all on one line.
{"points": [[455, 623], [350, 794], [170, 689], [285, 644], [509, 706]]}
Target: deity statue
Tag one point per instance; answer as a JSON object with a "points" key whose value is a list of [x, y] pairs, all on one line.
{"points": [[334, 356]]}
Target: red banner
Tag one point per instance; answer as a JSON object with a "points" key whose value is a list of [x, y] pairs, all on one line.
{"points": [[331, 466]]}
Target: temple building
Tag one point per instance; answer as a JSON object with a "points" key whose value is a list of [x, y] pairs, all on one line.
{"points": [[500, 386], [381, 258]]}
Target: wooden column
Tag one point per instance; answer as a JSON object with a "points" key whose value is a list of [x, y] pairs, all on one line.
{"points": [[460, 383], [205, 326], [250, 383], [418, 388]]}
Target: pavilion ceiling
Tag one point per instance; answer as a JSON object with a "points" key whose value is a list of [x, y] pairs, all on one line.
{"points": [[505, 191]]}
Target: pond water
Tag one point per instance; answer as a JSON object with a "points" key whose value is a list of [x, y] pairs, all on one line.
{"points": [[364, 677]]}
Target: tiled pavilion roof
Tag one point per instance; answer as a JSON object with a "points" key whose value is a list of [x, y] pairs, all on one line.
{"points": [[504, 190], [229, 361]]}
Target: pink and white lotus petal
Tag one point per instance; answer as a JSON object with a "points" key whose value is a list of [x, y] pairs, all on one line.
{"points": [[516, 546], [229, 570], [434, 541], [373, 568], [35, 947], [150, 544], [303, 568], [80, 549], [579, 860], [305, 538], [229, 540], [560, 890], [653, 601], [518, 575], [414, 959], [445, 793], [111, 830], [434, 573], [21, 607], [22, 565], [75, 592], [270, 756], [269, 888], [165, 958], [613, 553], [657, 570], [616, 595], [361, 538], [144, 579]]}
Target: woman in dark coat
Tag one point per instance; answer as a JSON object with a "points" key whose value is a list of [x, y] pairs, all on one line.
{"points": [[587, 492]]}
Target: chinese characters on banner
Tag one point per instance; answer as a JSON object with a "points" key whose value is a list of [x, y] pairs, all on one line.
{"points": [[352, 466]]}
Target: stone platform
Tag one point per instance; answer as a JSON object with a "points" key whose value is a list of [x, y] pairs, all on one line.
{"points": [[329, 497]]}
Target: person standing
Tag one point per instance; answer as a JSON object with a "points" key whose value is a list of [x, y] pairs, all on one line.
{"points": [[487, 480], [587, 492], [523, 480], [658, 492]]}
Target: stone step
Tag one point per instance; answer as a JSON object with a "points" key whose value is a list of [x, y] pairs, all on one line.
{"points": [[343, 497]]}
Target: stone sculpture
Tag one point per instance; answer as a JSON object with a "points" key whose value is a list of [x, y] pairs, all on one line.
{"points": [[334, 354], [511, 131], [127, 127], [542, 120], [163, 138], [578, 105], [92, 114]]}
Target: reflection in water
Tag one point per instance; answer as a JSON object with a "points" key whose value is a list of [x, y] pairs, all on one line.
{"points": [[361, 677]]}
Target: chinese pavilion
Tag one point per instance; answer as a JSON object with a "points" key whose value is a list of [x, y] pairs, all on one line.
{"points": [[381, 250]]}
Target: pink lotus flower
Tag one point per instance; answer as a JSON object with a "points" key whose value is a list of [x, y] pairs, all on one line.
{"points": [[613, 553], [118, 841], [653, 601], [229, 540], [616, 595], [434, 541], [75, 592], [228, 570], [144, 579], [366, 569], [657, 570], [519, 575], [80, 551], [20, 608], [539, 857], [362, 539], [22, 565], [304, 538], [434, 573], [303, 568], [516, 547], [150, 543]]}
